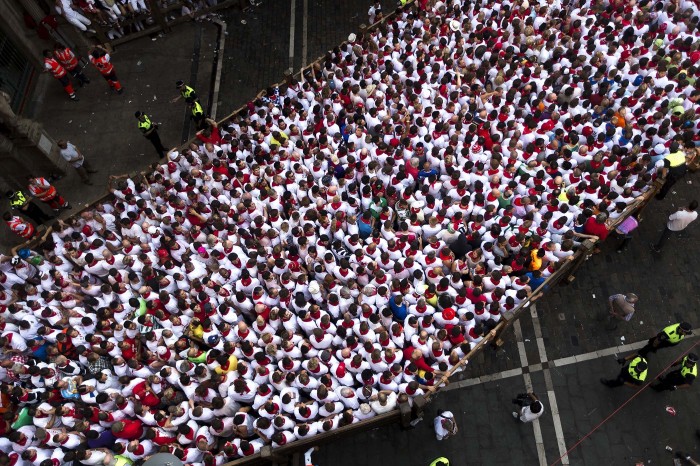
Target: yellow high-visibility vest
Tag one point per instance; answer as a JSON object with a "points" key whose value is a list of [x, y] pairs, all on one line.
{"points": [[632, 369]]}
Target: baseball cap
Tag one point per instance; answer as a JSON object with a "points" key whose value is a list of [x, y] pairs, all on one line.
{"points": [[692, 357], [685, 326]]}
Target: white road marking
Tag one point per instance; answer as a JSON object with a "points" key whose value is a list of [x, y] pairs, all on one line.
{"points": [[553, 407], [539, 441]]}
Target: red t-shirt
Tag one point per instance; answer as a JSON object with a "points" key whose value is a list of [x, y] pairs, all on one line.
{"points": [[133, 430], [592, 227]]}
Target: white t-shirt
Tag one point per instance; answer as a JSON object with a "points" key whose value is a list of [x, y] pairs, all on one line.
{"points": [[440, 431], [526, 414], [71, 152], [680, 220]]}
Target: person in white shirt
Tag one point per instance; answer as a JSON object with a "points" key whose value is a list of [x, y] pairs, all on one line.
{"points": [[74, 157], [383, 402], [445, 425], [677, 221], [531, 407]]}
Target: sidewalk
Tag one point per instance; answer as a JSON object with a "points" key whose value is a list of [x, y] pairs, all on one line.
{"points": [[102, 123]]}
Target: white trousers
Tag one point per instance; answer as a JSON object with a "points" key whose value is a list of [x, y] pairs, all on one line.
{"points": [[77, 20]]}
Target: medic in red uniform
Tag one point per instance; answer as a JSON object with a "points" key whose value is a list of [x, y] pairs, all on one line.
{"points": [[51, 65], [69, 61], [100, 58]]}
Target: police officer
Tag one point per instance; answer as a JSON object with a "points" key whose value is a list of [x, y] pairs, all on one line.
{"points": [[442, 461], [24, 203], [673, 170], [668, 337], [150, 132], [682, 377], [186, 92], [197, 114], [633, 375]]}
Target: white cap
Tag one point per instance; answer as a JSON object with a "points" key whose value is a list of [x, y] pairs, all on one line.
{"points": [[152, 230], [659, 148], [454, 25], [352, 37], [417, 205], [426, 93], [173, 155], [314, 288]]}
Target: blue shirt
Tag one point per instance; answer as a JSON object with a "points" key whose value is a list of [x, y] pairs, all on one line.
{"points": [[426, 173], [105, 440], [364, 229], [535, 282], [400, 312]]}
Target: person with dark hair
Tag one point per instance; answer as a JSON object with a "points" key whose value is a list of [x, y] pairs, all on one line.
{"points": [[633, 374], [674, 167], [150, 132], [677, 222], [530, 407], [680, 378], [69, 61], [99, 57], [51, 65]]}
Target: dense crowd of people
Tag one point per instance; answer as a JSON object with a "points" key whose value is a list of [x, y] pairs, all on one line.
{"points": [[333, 251]]}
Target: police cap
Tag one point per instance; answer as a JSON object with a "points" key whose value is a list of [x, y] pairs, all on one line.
{"points": [[692, 357], [138, 113], [685, 326], [641, 366], [179, 83]]}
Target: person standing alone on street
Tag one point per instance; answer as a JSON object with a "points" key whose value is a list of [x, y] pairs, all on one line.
{"points": [[445, 425], [530, 407], [150, 131], [621, 308], [69, 61], [100, 58], [74, 157], [51, 65], [677, 222]]}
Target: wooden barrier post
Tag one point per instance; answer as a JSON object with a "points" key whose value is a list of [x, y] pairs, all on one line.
{"points": [[159, 17]]}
